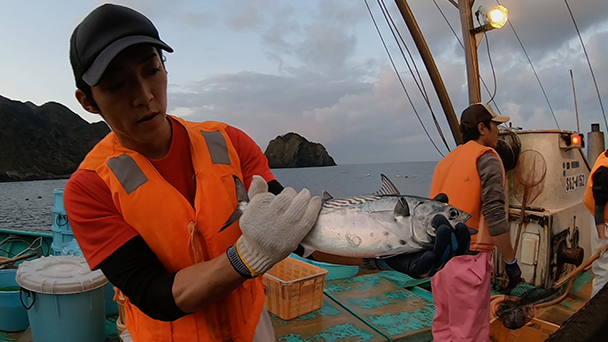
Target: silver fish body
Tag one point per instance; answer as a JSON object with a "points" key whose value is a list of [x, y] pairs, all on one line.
{"points": [[378, 226]]}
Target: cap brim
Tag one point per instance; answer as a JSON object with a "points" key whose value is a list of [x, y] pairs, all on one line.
{"points": [[96, 70], [501, 118]]}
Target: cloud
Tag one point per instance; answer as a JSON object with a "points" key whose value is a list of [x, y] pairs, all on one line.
{"points": [[332, 82]]}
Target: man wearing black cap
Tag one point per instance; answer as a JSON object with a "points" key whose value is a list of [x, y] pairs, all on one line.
{"points": [[473, 178], [149, 202]]}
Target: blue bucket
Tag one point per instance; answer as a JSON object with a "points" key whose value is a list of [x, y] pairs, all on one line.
{"points": [[72, 248], [65, 300], [13, 316]]}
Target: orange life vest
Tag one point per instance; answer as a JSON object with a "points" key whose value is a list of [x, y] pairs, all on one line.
{"points": [[181, 235], [456, 175], [601, 160]]}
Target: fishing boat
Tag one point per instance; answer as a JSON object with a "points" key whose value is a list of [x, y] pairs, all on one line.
{"points": [[547, 173]]}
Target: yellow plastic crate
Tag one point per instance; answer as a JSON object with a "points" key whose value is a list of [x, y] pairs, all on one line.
{"points": [[294, 287]]}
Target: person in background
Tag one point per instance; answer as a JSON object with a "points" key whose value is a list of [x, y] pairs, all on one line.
{"points": [[149, 203], [595, 199], [473, 178]]}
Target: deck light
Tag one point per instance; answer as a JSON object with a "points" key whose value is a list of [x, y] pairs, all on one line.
{"points": [[498, 16], [493, 19]]}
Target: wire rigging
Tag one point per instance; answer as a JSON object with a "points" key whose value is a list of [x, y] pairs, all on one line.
{"points": [[533, 70], [418, 81], [400, 80], [491, 66], [588, 62], [489, 59], [462, 46]]}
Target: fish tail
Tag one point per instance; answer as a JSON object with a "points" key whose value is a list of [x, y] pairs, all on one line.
{"points": [[242, 197], [236, 215], [241, 192]]}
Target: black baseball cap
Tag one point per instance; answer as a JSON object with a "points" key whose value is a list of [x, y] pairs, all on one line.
{"points": [[103, 34], [479, 112]]}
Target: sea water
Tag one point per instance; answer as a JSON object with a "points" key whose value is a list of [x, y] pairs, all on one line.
{"points": [[28, 205]]}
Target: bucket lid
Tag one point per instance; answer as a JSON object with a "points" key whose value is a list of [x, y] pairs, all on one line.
{"points": [[59, 275]]}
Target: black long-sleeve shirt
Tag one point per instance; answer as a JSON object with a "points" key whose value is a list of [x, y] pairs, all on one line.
{"points": [[600, 193], [135, 269]]}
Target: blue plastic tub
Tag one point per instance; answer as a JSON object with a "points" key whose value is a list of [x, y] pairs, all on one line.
{"points": [[64, 298], [58, 200], [60, 221], [13, 316], [334, 271], [61, 237]]}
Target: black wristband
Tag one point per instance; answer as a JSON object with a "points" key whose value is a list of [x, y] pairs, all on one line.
{"points": [[237, 263]]}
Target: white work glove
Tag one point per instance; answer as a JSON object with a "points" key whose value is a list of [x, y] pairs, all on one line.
{"points": [[272, 227], [601, 246]]}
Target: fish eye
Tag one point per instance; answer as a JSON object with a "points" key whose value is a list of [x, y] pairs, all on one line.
{"points": [[453, 213]]}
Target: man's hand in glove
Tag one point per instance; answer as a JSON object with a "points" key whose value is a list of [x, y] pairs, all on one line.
{"points": [[272, 227], [449, 242]]}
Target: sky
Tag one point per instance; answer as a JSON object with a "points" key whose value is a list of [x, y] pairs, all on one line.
{"points": [[319, 68]]}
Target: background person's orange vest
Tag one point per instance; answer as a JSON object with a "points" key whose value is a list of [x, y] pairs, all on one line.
{"points": [[180, 235], [601, 160], [456, 175]]}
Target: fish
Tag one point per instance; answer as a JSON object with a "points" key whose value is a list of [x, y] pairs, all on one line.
{"points": [[378, 225]]}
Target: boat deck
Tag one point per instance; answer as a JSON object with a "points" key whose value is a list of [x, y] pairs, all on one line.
{"points": [[383, 306]]}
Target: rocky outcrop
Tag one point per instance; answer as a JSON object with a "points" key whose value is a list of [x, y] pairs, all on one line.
{"points": [[43, 142], [292, 150]]}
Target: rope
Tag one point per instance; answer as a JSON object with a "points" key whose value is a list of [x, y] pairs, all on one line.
{"points": [[462, 46], [401, 81], [533, 70], [588, 62], [420, 85]]}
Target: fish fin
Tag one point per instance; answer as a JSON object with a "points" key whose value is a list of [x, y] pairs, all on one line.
{"points": [[241, 192], [472, 231], [388, 188], [326, 196], [241, 197], [236, 215], [401, 208]]}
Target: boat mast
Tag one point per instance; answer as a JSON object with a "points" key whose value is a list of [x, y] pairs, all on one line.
{"points": [[470, 49], [431, 67], [496, 18]]}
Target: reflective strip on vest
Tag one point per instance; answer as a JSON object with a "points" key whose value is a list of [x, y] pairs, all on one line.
{"points": [[127, 172], [217, 147]]}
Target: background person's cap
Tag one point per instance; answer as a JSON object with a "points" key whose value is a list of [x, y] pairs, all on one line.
{"points": [[103, 34], [479, 112]]}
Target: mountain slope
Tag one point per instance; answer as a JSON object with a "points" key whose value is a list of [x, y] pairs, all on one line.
{"points": [[42, 142]]}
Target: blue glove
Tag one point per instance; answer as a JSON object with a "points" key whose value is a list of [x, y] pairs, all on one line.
{"points": [[449, 242], [514, 273]]}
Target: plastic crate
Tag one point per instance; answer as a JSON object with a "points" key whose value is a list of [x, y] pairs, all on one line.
{"points": [[295, 288]]}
